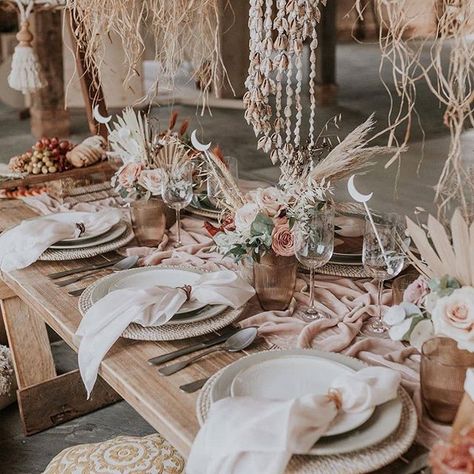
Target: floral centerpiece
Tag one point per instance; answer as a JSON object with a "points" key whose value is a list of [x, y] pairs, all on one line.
{"points": [[145, 154], [441, 300]]}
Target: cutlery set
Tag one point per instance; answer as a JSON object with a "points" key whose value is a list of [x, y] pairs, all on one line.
{"points": [[233, 340]]}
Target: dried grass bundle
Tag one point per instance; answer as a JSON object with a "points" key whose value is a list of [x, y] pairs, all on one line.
{"points": [[444, 252], [350, 155], [182, 30]]}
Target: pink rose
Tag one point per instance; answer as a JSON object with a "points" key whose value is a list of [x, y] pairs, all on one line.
{"points": [[270, 200], [151, 180], [129, 174], [245, 216], [416, 291], [455, 457], [283, 241], [453, 316]]}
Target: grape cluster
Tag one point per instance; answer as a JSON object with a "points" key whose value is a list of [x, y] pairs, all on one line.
{"points": [[48, 155]]}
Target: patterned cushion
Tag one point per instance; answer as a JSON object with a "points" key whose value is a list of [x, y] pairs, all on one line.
{"points": [[122, 455]]}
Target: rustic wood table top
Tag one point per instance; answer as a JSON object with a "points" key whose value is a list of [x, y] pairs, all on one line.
{"points": [[157, 398]]}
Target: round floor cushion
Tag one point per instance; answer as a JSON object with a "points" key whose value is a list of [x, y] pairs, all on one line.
{"points": [[122, 455]]}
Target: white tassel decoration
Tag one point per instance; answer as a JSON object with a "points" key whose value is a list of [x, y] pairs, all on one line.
{"points": [[25, 73]]}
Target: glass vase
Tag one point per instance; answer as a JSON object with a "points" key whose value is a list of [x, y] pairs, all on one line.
{"points": [[274, 281], [442, 374], [150, 219]]}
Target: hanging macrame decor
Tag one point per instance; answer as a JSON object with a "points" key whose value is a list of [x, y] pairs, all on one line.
{"points": [[25, 73], [274, 83]]}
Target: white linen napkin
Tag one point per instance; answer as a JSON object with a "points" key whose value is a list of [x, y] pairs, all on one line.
{"points": [[23, 245], [243, 435], [103, 324]]}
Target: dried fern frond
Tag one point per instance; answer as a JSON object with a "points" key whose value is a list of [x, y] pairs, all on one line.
{"points": [[443, 251], [350, 156]]}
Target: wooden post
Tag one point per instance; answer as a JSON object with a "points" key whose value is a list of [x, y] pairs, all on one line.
{"points": [[234, 40], [48, 115], [326, 88], [91, 92]]}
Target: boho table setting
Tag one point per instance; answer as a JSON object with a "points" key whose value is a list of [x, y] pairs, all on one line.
{"points": [[194, 278]]}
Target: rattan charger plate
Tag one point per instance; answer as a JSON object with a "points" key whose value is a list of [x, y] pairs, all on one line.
{"points": [[358, 462], [168, 332], [73, 254]]}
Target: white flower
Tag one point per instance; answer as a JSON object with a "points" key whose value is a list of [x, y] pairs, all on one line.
{"points": [[151, 180], [226, 240], [398, 331], [245, 216], [401, 318], [453, 316], [270, 200]]}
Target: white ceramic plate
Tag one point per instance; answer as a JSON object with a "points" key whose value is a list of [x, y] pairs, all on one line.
{"points": [[113, 233], [381, 424], [291, 377], [163, 276]]}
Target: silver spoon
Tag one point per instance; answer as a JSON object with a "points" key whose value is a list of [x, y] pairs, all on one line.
{"points": [[124, 264], [237, 342]]}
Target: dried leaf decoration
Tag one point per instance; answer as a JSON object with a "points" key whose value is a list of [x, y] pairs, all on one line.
{"points": [[444, 251]]}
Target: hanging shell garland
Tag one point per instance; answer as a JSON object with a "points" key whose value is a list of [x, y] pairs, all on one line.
{"points": [[276, 69]]}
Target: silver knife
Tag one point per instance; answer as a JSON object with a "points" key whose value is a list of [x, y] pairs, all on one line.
{"points": [[55, 276], [193, 386], [189, 349]]}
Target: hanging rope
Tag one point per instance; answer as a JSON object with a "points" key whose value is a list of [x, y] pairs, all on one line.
{"points": [[25, 75]]}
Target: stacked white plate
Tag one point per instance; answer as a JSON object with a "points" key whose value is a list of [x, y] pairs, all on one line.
{"points": [[147, 277], [289, 374], [93, 235]]}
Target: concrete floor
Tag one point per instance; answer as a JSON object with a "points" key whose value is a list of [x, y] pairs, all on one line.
{"points": [[360, 93]]}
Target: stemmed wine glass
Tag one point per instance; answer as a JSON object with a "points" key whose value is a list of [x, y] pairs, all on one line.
{"points": [[383, 258], [214, 193], [177, 190], [314, 245]]}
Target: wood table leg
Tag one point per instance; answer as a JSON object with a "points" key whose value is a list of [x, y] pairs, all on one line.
{"points": [[44, 398]]}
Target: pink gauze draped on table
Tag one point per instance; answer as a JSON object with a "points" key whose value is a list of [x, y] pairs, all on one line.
{"points": [[349, 302]]}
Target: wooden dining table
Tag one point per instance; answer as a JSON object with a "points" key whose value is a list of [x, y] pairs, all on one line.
{"points": [[30, 301]]}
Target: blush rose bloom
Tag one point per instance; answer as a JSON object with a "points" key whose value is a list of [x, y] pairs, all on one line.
{"points": [[129, 174], [245, 216], [283, 241], [453, 316], [416, 291], [269, 200], [151, 180]]}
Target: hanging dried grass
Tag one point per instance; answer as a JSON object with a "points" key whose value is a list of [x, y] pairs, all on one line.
{"points": [[183, 30], [451, 81]]}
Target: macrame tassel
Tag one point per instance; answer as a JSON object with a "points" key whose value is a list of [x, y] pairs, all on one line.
{"points": [[25, 72]]}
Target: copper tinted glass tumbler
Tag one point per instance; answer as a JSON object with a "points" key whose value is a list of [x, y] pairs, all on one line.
{"points": [[443, 370]]}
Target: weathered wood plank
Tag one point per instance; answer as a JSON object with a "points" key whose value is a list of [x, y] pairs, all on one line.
{"points": [[29, 343], [60, 399], [48, 114]]}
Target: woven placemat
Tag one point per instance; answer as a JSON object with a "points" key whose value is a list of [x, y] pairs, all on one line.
{"points": [[350, 271], [196, 211], [168, 332], [73, 254], [358, 462]]}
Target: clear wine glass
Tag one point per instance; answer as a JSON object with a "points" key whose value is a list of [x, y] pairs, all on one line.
{"points": [[177, 190], [214, 193], [314, 245], [383, 258]]}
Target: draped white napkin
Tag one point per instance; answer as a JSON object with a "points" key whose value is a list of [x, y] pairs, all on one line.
{"points": [[23, 245], [105, 321], [243, 435]]}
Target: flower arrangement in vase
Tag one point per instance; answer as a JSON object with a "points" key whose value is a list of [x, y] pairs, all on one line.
{"points": [[441, 300]]}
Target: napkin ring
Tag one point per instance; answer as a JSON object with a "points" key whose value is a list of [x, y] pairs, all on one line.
{"points": [[335, 396], [81, 227], [187, 290]]}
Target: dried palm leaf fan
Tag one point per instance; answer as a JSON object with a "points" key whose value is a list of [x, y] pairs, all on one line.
{"points": [[449, 75], [276, 69], [182, 30]]}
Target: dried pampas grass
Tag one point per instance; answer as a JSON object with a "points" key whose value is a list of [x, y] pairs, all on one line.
{"points": [[350, 156], [182, 30]]}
